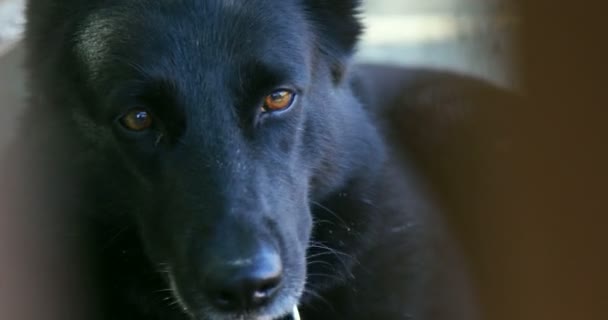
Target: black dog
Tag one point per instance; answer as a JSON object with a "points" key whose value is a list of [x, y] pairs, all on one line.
{"points": [[225, 156]]}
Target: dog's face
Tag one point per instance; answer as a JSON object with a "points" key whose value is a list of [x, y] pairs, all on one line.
{"points": [[212, 124]]}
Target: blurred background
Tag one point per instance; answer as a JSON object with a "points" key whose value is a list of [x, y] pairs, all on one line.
{"points": [[541, 210]]}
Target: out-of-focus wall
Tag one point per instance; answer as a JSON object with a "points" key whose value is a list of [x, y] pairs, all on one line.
{"points": [[471, 36], [11, 22]]}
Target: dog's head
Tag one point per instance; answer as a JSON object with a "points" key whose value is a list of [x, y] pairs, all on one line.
{"points": [[213, 124]]}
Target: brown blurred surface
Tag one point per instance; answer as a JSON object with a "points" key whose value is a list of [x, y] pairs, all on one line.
{"points": [[543, 213]]}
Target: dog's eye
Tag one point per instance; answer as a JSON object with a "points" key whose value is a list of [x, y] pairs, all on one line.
{"points": [[278, 100], [137, 120]]}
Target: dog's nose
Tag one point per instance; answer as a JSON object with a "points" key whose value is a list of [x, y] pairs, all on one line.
{"points": [[245, 284]]}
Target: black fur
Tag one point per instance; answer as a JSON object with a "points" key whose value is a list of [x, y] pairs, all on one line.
{"points": [[356, 234]]}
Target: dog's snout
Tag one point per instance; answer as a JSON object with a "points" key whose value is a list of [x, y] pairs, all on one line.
{"points": [[245, 284]]}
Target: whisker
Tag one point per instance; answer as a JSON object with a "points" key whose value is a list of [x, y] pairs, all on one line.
{"points": [[314, 295], [323, 221], [326, 209], [319, 262], [320, 245], [162, 290], [114, 237], [330, 249], [325, 275], [319, 254], [340, 256]]}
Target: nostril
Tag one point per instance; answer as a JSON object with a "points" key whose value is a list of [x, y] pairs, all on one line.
{"points": [[270, 285], [225, 300], [245, 294], [265, 290]]}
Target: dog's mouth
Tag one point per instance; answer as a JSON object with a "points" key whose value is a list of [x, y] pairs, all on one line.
{"points": [[285, 308], [293, 315]]}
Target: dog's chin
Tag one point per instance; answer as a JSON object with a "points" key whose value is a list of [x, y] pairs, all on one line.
{"points": [[277, 314], [282, 310]]}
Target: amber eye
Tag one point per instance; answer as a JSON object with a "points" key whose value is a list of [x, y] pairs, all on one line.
{"points": [[278, 100], [137, 120]]}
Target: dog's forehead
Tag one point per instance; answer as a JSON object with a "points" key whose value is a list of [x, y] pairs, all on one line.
{"points": [[133, 31]]}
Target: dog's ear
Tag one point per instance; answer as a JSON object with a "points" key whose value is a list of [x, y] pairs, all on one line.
{"points": [[337, 29]]}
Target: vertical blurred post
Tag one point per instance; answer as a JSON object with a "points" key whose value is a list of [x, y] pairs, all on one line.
{"points": [[32, 263], [37, 280], [545, 211]]}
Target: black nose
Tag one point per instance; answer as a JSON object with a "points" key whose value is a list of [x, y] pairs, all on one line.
{"points": [[245, 284]]}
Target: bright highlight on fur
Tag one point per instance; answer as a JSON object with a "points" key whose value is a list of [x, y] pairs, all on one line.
{"points": [[295, 313]]}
